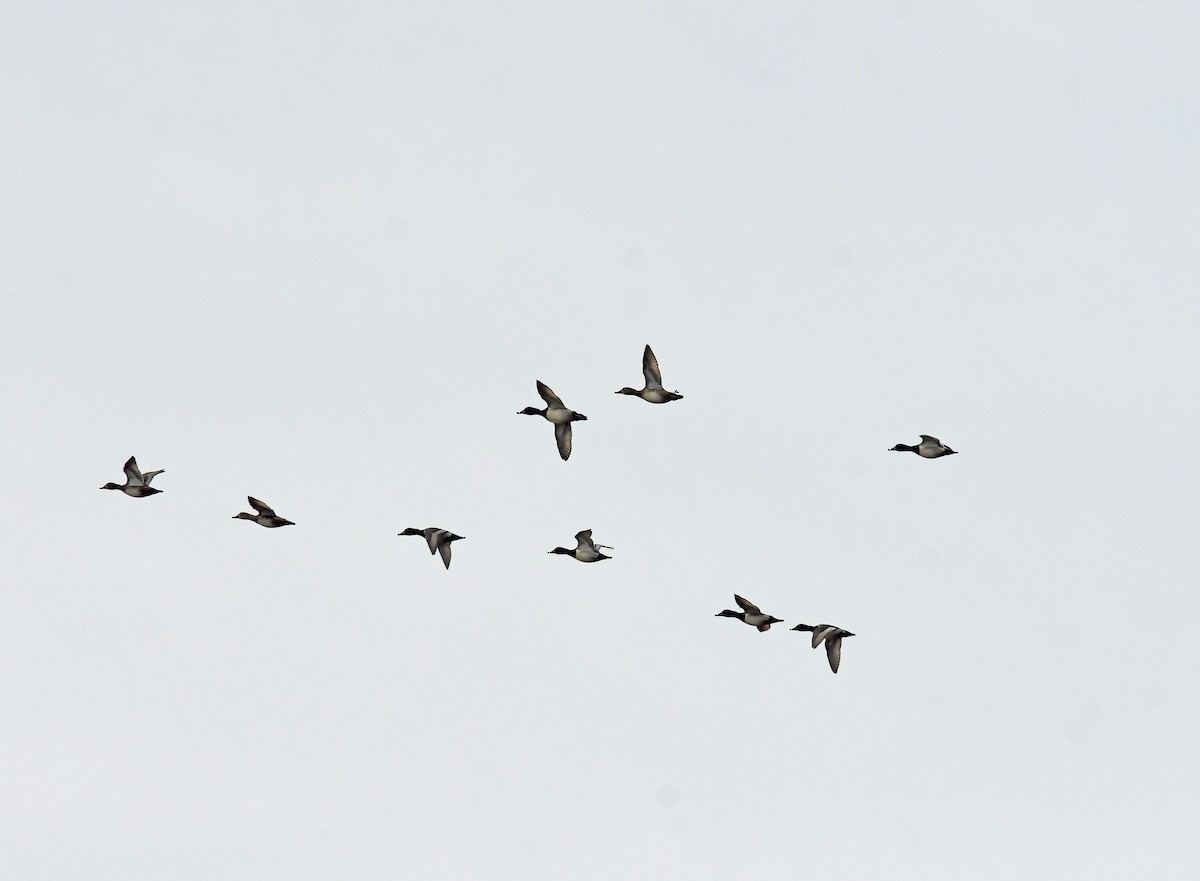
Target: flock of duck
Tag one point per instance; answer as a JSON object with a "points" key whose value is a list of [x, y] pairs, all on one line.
{"points": [[137, 485]]}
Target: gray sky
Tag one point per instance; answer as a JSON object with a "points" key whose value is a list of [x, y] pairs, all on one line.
{"points": [[320, 256]]}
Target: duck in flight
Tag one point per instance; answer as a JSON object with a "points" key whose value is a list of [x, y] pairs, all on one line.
{"points": [[266, 516], [929, 448], [833, 641], [558, 413], [136, 483], [586, 550], [654, 391], [437, 539], [750, 614]]}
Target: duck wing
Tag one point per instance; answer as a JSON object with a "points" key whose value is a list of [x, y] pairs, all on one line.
{"points": [[929, 439], [150, 475], [261, 507], [833, 650], [133, 475], [562, 437], [650, 369], [584, 540], [433, 538], [552, 400], [825, 631], [746, 605], [444, 550], [820, 632]]}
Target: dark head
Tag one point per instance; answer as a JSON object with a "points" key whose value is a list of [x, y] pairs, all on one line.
{"points": [[111, 485], [903, 448], [561, 551], [411, 531], [729, 613], [807, 627], [243, 516], [531, 411], [629, 391]]}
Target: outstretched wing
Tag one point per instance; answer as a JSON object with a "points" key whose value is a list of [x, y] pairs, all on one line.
{"points": [[150, 475], [930, 439], [433, 537], [551, 399], [584, 540], [833, 648], [650, 369], [820, 632], [746, 605], [261, 507], [562, 436], [444, 550], [133, 475]]}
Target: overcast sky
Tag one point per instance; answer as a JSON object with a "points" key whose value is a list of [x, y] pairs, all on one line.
{"points": [[320, 254]]}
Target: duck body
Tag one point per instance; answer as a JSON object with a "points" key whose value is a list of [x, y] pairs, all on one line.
{"points": [[929, 448], [653, 390], [586, 550], [136, 483], [831, 636], [438, 540], [559, 414], [265, 515], [750, 614], [655, 395]]}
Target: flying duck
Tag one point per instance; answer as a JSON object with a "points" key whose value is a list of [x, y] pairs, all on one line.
{"points": [[586, 551], [928, 448], [833, 641], [437, 539], [654, 391], [266, 516], [136, 483], [558, 413], [750, 614]]}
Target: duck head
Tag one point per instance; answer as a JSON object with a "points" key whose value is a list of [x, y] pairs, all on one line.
{"points": [[561, 551], [530, 411], [903, 448], [629, 391], [111, 485]]}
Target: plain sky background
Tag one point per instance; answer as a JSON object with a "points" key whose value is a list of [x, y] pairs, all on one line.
{"points": [[319, 253]]}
